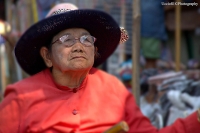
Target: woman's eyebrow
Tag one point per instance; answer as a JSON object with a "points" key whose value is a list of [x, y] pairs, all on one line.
{"points": [[85, 33], [63, 34], [66, 34]]}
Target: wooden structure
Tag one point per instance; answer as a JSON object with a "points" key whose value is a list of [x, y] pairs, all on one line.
{"points": [[178, 36], [10, 70], [181, 18], [136, 51]]}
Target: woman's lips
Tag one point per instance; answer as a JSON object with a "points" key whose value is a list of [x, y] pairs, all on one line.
{"points": [[78, 57]]}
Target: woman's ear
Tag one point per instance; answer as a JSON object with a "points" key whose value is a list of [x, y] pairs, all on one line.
{"points": [[44, 52], [95, 50], [96, 54]]}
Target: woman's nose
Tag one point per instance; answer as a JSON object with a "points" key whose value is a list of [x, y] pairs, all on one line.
{"points": [[77, 47]]}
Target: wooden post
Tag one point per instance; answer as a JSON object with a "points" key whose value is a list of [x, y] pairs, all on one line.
{"points": [[177, 35], [121, 127], [34, 10], [136, 50], [123, 24], [3, 67]]}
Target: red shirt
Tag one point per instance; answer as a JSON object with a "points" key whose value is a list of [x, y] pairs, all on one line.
{"points": [[38, 104]]}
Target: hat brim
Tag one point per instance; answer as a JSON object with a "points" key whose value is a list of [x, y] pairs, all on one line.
{"points": [[98, 23]]}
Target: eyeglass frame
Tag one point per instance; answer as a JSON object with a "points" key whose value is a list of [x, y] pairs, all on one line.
{"points": [[59, 39]]}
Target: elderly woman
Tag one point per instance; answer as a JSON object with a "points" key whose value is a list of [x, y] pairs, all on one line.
{"points": [[65, 92]]}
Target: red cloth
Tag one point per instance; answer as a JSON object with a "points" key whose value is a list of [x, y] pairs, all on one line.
{"points": [[38, 104]]}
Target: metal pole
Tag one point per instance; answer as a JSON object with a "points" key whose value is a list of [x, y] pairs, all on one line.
{"points": [[177, 35], [136, 50]]}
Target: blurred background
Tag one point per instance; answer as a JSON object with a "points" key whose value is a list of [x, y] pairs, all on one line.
{"points": [[167, 44]]}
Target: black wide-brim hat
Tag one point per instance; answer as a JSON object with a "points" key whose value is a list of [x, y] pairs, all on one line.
{"points": [[99, 24]]}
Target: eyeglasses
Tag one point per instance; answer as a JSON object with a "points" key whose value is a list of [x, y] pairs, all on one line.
{"points": [[69, 40]]}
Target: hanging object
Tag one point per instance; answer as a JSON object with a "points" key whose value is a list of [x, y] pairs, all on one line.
{"points": [[124, 35]]}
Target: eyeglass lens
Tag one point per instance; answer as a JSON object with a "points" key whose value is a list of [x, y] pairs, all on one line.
{"points": [[69, 40]]}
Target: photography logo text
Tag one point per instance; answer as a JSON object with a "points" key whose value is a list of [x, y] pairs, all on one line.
{"points": [[179, 3]]}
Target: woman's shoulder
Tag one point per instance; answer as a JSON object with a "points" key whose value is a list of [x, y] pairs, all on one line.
{"points": [[106, 79], [95, 72], [38, 77], [108, 85], [27, 83]]}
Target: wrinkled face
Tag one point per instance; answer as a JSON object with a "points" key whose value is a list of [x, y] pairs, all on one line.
{"points": [[75, 57]]}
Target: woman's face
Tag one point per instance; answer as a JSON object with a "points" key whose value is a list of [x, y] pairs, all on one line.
{"points": [[76, 57]]}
